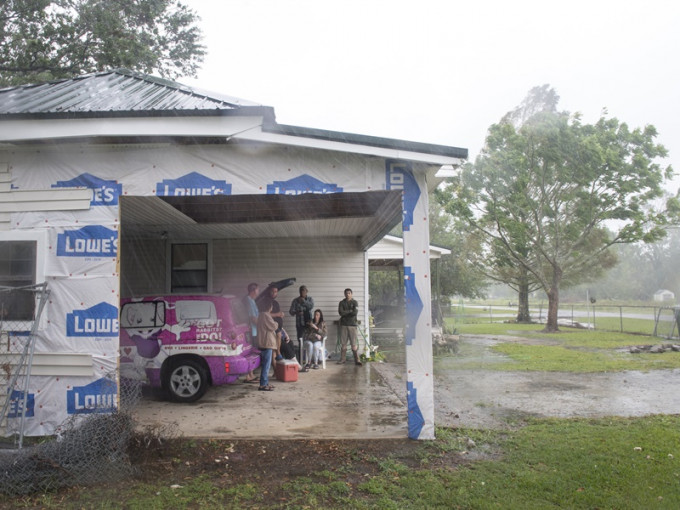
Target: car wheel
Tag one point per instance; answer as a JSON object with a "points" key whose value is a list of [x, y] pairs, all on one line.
{"points": [[185, 380]]}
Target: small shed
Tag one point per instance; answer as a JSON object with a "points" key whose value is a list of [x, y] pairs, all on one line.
{"points": [[664, 295]]}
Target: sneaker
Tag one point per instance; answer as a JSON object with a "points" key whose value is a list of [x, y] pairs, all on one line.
{"points": [[315, 366]]}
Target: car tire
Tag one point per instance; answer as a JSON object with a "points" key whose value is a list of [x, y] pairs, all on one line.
{"points": [[185, 380]]}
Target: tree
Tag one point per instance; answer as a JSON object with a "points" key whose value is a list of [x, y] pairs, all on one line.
{"points": [[555, 194], [43, 40], [454, 275], [641, 271]]}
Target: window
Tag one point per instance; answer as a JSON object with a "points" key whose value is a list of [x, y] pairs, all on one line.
{"points": [[18, 260], [189, 268], [143, 315]]}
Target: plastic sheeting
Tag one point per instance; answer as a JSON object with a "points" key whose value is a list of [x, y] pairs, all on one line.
{"points": [[82, 260], [417, 332]]}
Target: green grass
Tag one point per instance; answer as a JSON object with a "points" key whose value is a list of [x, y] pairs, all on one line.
{"points": [[622, 463], [570, 350], [611, 463], [551, 358]]}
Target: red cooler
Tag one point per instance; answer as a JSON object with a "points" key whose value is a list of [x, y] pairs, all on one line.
{"points": [[286, 370]]}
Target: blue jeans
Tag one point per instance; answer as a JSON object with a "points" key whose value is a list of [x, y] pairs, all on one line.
{"points": [[265, 364]]}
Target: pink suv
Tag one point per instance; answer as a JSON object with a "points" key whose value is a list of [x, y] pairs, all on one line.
{"points": [[183, 344]]}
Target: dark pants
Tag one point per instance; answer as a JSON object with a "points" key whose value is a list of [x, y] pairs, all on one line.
{"points": [[287, 349]]}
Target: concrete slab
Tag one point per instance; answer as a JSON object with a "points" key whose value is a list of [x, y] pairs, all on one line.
{"points": [[340, 402]]}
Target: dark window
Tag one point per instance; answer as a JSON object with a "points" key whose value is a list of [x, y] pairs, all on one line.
{"points": [[17, 271], [189, 268]]}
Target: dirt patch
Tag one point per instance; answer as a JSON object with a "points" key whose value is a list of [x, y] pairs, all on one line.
{"points": [[279, 469], [499, 399]]}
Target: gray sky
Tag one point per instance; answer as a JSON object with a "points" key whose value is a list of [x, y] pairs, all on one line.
{"points": [[443, 71]]}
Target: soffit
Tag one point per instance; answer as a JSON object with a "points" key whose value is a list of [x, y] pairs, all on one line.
{"points": [[368, 216]]}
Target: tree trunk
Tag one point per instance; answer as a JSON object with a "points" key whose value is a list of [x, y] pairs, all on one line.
{"points": [[523, 315], [553, 303]]}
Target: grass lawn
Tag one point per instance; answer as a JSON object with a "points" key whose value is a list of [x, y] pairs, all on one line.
{"points": [[571, 350], [622, 463], [578, 463]]}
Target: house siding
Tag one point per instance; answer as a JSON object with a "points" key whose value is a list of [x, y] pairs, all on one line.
{"points": [[326, 266]]}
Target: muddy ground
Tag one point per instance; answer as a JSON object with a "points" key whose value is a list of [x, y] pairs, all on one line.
{"points": [[499, 399], [463, 399]]}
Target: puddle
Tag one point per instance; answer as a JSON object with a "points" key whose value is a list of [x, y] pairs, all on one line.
{"points": [[479, 398]]}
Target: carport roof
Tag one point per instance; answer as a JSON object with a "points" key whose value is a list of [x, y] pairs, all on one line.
{"points": [[368, 216]]}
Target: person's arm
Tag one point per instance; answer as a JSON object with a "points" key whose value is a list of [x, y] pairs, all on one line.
{"points": [[293, 308]]}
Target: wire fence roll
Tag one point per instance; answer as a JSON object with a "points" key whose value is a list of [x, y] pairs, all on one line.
{"points": [[88, 449]]}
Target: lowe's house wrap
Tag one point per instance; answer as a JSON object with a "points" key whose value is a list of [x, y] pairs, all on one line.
{"points": [[148, 207]]}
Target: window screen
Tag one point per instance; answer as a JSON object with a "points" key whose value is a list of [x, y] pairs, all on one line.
{"points": [[17, 269]]}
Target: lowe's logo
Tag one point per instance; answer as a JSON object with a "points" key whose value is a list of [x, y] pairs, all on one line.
{"points": [[90, 241], [399, 176], [97, 397], [97, 321], [300, 185], [193, 184], [16, 399], [103, 192]]}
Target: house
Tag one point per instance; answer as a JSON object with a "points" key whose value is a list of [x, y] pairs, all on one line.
{"points": [[664, 295], [119, 184], [389, 252]]}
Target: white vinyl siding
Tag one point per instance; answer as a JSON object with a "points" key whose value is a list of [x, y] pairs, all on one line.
{"points": [[325, 265], [58, 199], [52, 364], [143, 263]]}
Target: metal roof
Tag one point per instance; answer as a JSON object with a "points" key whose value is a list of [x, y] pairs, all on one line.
{"points": [[127, 94], [119, 90]]}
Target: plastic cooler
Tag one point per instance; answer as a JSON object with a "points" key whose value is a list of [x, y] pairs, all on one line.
{"points": [[286, 370]]}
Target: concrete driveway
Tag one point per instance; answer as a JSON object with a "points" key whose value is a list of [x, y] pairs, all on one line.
{"points": [[340, 402]]}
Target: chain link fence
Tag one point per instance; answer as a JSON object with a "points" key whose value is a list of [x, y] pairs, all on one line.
{"points": [[658, 321], [89, 449]]}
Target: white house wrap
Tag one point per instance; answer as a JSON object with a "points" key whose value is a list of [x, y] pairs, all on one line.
{"points": [[120, 199]]}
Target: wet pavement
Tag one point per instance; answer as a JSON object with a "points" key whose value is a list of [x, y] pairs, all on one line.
{"points": [[340, 402], [350, 402]]}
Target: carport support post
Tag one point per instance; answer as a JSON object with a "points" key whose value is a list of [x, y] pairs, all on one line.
{"points": [[418, 329]]}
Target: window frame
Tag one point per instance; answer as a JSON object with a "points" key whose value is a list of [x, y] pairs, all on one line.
{"points": [[40, 239], [171, 270]]}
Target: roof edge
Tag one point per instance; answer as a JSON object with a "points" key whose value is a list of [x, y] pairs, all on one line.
{"points": [[371, 141]]}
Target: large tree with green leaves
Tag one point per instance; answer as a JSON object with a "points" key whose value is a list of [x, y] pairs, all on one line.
{"points": [[42, 40], [554, 194], [452, 275]]}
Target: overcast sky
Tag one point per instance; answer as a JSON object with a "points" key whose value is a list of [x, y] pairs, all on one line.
{"points": [[443, 71]]}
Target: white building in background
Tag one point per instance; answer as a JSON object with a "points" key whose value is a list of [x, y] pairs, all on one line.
{"points": [[664, 295]]}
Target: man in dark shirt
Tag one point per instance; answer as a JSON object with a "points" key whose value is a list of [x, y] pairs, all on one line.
{"points": [[348, 309]]}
